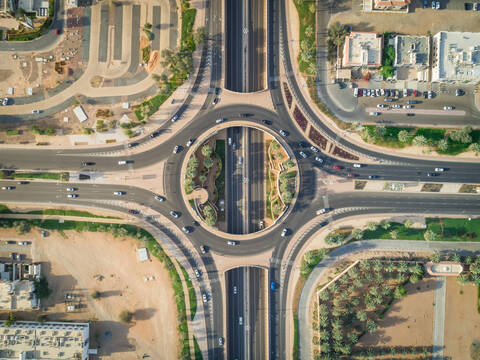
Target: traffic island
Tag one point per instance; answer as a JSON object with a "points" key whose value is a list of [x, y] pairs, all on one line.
{"points": [[249, 162]]}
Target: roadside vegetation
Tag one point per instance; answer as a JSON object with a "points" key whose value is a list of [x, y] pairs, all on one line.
{"points": [[191, 292], [443, 141], [388, 57], [198, 352], [25, 34], [4, 209], [336, 38], [178, 63], [122, 231], [307, 61], [63, 176]]}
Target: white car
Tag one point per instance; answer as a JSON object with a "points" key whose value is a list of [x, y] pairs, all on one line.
{"points": [[5, 102], [240, 321], [197, 273], [397, 106], [303, 155], [189, 143], [440, 169], [36, 111], [72, 196], [24, 243], [204, 297], [7, 187], [319, 159], [448, 108], [381, 106], [357, 165], [322, 211], [314, 149], [186, 230], [235, 290], [407, 106], [219, 121], [375, 113], [176, 149], [174, 214], [230, 242], [174, 118], [159, 198], [122, 162], [284, 232], [283, 132], [71, 189], [119, 193]]}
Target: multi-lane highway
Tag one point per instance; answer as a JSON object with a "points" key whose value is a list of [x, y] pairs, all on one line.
{"points": [[243, 341]]}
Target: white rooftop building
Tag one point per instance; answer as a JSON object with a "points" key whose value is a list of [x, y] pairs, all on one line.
{"points": [[44, 341], [80, 113], [363, 49], [17, 286], [456, 56]]}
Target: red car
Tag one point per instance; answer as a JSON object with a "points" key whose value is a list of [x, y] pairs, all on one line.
{"points": [[337, 167], [133, 212], [351, 175], [415, 93], [57, 31]]}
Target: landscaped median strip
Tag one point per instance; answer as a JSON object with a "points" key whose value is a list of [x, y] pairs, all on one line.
{"points": [[25, 224], [59, 176], [4, 209]]}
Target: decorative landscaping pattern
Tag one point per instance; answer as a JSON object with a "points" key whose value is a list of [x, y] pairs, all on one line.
{"points": [[300, 118], [288, 94], [317, 138], [281, 180], [344, 154], [349, 306], [204, 171]]}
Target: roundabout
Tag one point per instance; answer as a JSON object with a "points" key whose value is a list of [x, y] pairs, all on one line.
{"points": [[239, 180]]}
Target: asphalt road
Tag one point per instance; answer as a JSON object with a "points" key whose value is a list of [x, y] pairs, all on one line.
{"points": [[235, 294], [257, 314], [234, 182], [256, 179], [234, 56], [256, 45]]}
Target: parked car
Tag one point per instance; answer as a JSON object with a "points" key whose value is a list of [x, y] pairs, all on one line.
{"points": [[412, 102], [459, 92], [197, 273], [314, 149], [186, 230], [437, 5], [381, 106], [273, 286], [204, 297], [220, 341], [5, 102], [159, 198], [322, 211], [319, 159], [337, 167], [430, 94], [425, 4], [23, 243], [388, 99], [476, 7], [396, 106], [303, 154], [448, 107], [175, 118], [189, 143]]}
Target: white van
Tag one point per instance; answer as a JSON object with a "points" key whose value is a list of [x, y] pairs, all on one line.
{"points": [[122, 162]]}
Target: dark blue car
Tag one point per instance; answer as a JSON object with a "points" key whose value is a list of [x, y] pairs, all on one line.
{"points": [[425, 4]]}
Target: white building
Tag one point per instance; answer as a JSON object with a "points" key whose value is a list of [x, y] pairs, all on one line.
{"points": [[40, 7], [80, 113], [17, 286], [456, 56], [44, 341], [363, 49]]}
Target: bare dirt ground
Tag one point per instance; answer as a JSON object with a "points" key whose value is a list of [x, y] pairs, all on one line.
{"points": [[409, 322], [417, 22], [462, 321], [71, 264]]}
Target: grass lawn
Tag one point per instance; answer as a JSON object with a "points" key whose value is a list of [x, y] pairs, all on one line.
{"points": [[307, 18], [48, 176], [391, 138], [69, 213], [296, 340], [191, 292], [447, 229], [220, 180], [188, 18], [198, 352]]}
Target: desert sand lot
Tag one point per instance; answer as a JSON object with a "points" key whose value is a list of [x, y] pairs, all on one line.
{"points": [[72, 264], [409, 322], [462, 321]]}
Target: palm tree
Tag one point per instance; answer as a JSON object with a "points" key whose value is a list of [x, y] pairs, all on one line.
{"points": [[357, 234], [475, 147], [430, 235], [371, 326], [403, 136], [417, 269], [436, 257], [361, 315], [442, 145], [202, 178], [207, 150], [456, 257], [463, 278], [403, 267], [208, 162], [408, 223], [420, 140], [371, 226], [377, 265], [394, 234], [390, 267], [385, 224]]}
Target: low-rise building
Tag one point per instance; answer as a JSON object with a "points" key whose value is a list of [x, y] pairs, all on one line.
{"points": [[7, 8], [17, 286], [363, 49], [39, 7], [456, 56], [44, 341], [411, 50], [391, 5]]}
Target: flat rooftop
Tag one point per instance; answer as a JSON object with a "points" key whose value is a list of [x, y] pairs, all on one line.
{"points": [[456, 56], [17, 285], [411, 50], [363, 49], [47, 341]]}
